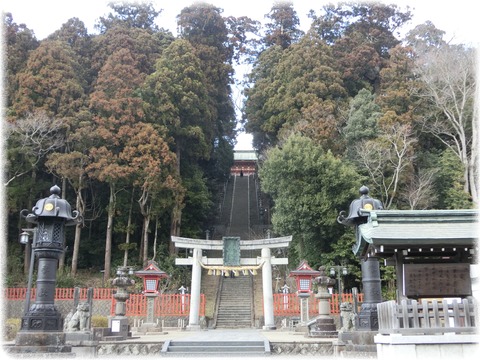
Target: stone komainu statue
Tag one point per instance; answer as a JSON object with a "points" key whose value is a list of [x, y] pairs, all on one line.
{"points": [[348, 316], [78, 321]]}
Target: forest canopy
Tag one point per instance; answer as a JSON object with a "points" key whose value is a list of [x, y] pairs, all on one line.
{"points": [[138, 126]]}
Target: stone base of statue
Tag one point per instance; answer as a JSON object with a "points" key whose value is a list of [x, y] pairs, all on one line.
{"points": [[322, 326], [119, 328], [40, 342], [149, 328], [355, 344], [83, 343]]}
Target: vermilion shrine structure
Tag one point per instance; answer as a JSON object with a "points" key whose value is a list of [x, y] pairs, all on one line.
{"points": [[244, 163]]}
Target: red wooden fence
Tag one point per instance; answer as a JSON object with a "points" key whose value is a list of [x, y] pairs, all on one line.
{"points": [[179, 305], [289, 304], [60, 293], [165, 305]]}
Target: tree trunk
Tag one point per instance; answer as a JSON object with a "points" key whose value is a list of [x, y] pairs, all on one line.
{"points": [[129, 224], [78, 232], [473, 161], [28, 248], [76, 248], [108, 238], [61, 260], [176, 211], [146, 224], [155, 238]]}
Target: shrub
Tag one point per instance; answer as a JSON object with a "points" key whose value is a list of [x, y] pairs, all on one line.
{"points": [[99, 321], [11, 328]]}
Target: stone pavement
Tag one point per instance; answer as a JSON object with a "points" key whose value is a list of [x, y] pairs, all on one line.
{"points": [[228, 335]]}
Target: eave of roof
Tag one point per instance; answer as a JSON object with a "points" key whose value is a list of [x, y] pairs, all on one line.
{"points": [[250, 155], [426, 228]]}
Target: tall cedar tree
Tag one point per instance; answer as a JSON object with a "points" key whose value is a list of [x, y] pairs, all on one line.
{"points": [[50, 81], [50, 96], [117, 112], [19, 41], [303, 93], [70, 164], [283, 28], [206, 30], [177, 99], [361, 35]]}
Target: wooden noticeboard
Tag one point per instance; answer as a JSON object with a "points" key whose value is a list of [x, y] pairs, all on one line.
{"points": [[437, 280]]}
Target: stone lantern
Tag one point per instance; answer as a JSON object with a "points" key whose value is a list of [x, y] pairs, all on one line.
{"points": [[303, 275], [118, 324], [151, 282], [51, 215], [323, 325]]}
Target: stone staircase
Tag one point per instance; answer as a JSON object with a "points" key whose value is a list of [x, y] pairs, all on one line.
{"points": [[235, 307], [224, 349], [239, 222]]}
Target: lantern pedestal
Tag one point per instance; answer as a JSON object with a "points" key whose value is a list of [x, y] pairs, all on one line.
{"points": [[150, 326], [151, 284], [118, 324], [304, 310], [323, 325]]}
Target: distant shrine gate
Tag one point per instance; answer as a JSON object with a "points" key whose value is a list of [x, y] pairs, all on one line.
{"points": [[231, 262]]}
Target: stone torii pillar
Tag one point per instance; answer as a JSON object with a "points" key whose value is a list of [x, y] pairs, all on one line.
{"points": [[197, 261], [194, 316], [267, 290]]}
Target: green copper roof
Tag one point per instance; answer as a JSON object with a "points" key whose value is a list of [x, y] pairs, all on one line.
{"points": [[250, 155], [419, 228]]}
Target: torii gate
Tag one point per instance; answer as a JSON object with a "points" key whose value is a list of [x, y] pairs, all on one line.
{"points": [[229, 263]]}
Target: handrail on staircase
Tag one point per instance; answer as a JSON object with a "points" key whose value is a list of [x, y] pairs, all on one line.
{"points": [[217, 301]]}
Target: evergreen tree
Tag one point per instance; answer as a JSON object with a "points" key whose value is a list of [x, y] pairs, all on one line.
{"points": [[362, 120], [283, 28], [308, 186], [177, 99], [19, 41], [51, 81], [302, 94], [361, 35]]}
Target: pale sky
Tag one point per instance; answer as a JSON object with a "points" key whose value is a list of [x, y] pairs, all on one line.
{"points": [[459, 18]]}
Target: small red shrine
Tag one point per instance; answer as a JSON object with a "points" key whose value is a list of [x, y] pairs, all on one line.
{"points": [[151, 277], [303, 276]]}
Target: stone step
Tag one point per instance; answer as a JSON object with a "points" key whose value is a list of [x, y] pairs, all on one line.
{"points": [[233, 321], [234, 313], [220, 348]]}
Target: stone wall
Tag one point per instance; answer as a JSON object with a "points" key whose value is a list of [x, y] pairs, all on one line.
{"points": [[447, 346], [298, 348], [15, 308], [293, 348]]}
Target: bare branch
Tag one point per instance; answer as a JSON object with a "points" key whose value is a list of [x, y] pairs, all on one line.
{"points": [[36, 135]]}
